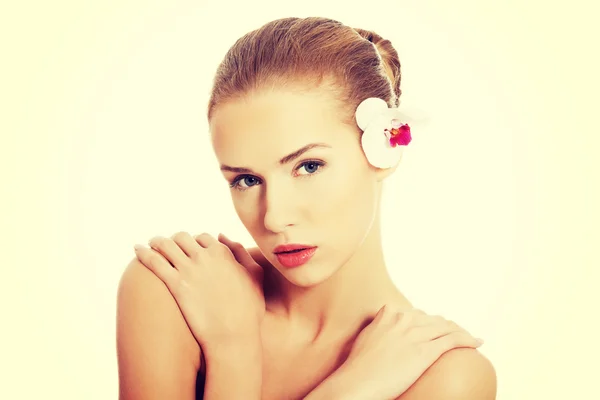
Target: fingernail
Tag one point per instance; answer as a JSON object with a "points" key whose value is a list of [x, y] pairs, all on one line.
{"points": [[480, 340], [138, 247]]}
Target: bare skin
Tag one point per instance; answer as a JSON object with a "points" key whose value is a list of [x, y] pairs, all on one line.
{"points": [[313, 312], [334, 207], [301, 360], [160, 358]]}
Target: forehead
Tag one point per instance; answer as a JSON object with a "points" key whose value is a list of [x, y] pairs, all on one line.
{"points": [[274, 123]]}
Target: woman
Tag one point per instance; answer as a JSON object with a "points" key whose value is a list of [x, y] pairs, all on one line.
{"points": [[303, 121]]}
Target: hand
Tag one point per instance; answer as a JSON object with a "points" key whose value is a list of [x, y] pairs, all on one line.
{"points": [[216, 284], [394, 350]]}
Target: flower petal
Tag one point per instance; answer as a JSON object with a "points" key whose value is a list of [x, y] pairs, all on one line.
{"points": [[377, 147], [369, 110]]}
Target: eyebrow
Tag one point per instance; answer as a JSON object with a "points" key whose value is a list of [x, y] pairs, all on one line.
{"points": [[287, 159]]}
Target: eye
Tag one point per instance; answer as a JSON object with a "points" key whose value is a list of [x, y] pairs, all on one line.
{"points": [[249, 180], [245, 182], [311, 166]]}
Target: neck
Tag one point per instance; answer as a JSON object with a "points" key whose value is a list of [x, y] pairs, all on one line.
{"points": [[354, 293]]}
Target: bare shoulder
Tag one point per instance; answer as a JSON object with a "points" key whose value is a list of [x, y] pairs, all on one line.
{"points": [[157, 354], [461, 373]]}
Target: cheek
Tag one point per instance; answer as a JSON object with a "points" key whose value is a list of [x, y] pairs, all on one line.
{"points": [[348, 198], [245, 212]]}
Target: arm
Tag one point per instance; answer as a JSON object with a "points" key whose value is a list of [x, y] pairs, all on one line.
{"points": [[234, 371], [459, 374], [341, 385], [158, 357]]}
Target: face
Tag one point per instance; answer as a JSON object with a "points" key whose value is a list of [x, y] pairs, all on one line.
{"points": [[298, 176]]}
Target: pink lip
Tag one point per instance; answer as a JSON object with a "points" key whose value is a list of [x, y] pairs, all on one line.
{"points": [[296, 258], [290, 247]]}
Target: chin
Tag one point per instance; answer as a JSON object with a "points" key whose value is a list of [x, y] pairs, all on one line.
{"points": [[308, 275]]}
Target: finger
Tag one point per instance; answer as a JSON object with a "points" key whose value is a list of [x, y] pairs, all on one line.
{"points": [[187, 244], [374, 322], [170, 251], [205, 240], [156, 263], [428, 332], [408, 318], [458, 327], [422, 319], [380, 313], [426, 320], [239, 252], [451, 341], [418, 317], [390, 315], [242, 256]]}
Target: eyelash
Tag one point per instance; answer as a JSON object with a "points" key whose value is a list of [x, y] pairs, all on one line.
{"points": [[237, 179]]}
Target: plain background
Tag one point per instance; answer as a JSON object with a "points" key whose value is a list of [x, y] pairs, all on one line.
{"points": [[491, 220]]}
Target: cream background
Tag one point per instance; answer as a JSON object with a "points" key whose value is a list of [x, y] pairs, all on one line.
{"points": [[491, 220]]}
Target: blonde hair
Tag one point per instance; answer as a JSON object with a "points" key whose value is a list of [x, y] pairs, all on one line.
{"points": [[354, 63]]}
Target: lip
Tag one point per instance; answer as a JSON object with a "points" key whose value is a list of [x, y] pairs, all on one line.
{"points": [[297, 258], [292, 246]]}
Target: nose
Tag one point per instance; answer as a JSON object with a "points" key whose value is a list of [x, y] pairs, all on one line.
{"points": [[278, 206]]}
